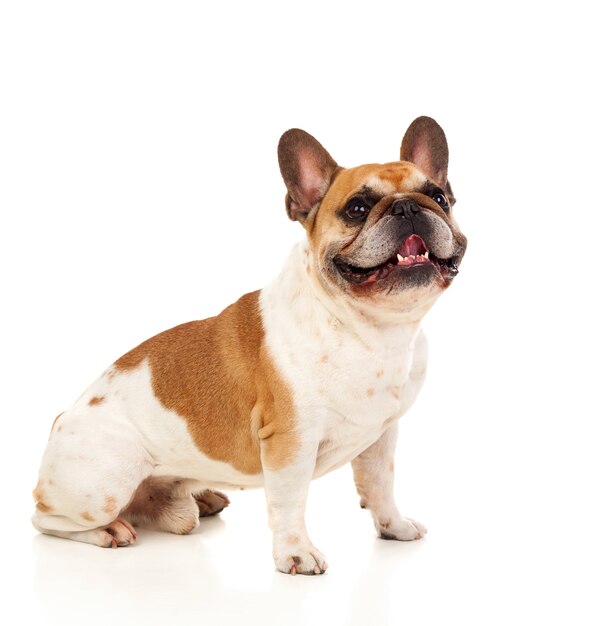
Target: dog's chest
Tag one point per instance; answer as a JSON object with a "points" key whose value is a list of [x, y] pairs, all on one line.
{"points": [[348, 388]]}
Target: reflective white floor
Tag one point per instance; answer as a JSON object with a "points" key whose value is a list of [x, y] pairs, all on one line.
{"points": [[479, 566]]}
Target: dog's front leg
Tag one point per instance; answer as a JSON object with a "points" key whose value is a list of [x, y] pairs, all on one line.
{"points": [[286, 491], [374, 477]]}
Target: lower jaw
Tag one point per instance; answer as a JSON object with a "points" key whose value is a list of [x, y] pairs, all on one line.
{"points": [[411, 274]]}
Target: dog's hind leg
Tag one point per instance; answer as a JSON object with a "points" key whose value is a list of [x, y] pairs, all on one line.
{"points": [[164, 503], [89, 473]]}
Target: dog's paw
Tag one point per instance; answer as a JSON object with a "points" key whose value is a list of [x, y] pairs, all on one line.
{"points": [[300, 560], [211, 502], [118, 534], [404, 529]]}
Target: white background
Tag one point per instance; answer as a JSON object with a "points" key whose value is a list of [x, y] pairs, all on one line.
{"points": [[139, 188]]}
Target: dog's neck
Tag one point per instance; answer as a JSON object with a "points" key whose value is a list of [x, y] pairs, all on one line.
{"points": [[309, 304]]}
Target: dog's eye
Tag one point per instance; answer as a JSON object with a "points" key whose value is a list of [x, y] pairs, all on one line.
{"points": [[356, 210], [440, 199]]}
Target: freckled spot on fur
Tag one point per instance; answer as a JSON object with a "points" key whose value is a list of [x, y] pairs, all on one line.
{"points": [[385, 524], [324, 359], [59, 428], [292, 540], [308, 268], [370, 391], [322, 391], [395, 392], [85, 515], [110, 505], [379, 373], [39, 497], [96, 400], [391, 467], [324, 443]]}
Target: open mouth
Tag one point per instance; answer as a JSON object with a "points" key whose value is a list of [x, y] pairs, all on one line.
{"points": [[412, 253]]}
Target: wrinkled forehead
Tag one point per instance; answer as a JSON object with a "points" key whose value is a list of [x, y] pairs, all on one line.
{"points": [[381, 180]]}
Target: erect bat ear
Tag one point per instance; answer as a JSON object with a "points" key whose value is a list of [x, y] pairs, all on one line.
{"points": [[425, 145], [307, 170]]}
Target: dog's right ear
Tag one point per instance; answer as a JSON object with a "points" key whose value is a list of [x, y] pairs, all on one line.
{"points": [[307, 170]]}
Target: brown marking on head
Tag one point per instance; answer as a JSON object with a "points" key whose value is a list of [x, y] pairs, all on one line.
{"points": [[96, 400], [292, 540], [86, 516], [387, 179], [213, 373], [110, 506]]}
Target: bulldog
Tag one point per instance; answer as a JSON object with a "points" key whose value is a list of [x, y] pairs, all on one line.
{"points": [[286, 384]]}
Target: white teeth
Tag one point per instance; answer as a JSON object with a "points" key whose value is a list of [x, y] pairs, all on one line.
{"points": [[425, 255], [400, 258]]}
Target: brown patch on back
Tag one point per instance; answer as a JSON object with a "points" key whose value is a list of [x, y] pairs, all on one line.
{"points": [[217, 374], [96, 400], [85, 515]]}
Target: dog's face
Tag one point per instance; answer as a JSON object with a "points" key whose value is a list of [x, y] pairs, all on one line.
{"points": [[380, 235]]}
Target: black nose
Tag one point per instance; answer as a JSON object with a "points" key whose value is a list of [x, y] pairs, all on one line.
{"points": [[405, 207]]}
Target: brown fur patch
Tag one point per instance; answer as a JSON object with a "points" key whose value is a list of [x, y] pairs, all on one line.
{"points": [[96, 400], [370, 391], [379, 373], [85, 515], [292, 540], [217, 374]]}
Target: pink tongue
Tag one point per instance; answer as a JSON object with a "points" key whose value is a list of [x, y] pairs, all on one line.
{"points": [[413, 245]]}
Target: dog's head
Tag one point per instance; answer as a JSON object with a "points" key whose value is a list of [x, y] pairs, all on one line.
{"points": [[383, 235]]}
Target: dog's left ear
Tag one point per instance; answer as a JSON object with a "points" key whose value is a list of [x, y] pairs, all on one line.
{"points": [[307, 170], [425, 145]]}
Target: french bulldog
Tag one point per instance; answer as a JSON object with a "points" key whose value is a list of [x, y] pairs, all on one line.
{"points": [[283, 386]]}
